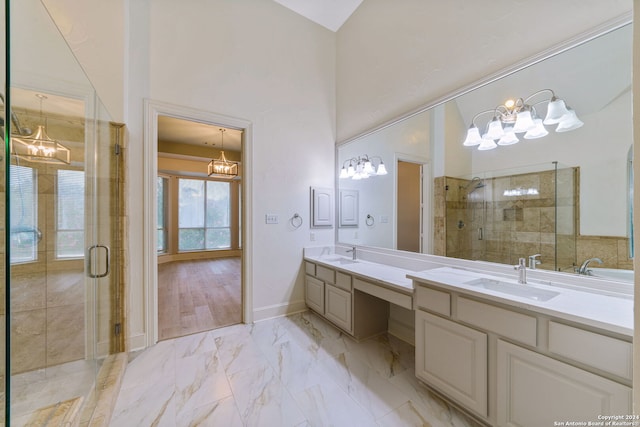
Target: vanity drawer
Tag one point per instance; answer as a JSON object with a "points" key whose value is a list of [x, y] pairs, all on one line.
{"points": [[510, 324], [309, 268], [325, 274], [433, 300], [343, 281], [600, 351], [381, 292]]}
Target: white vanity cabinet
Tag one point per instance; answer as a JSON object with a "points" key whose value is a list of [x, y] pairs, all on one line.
{"points": [[314, 293], [453, 359], [511, 366], [337, 307], [330, 293], [536, 390]]}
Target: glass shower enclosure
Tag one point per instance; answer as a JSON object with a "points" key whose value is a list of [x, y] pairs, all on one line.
{"points": [[501, 216], [62, 235]]}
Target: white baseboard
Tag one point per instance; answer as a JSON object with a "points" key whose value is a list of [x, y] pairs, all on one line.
{"points": [[136, 342], [278, 310], [402, 331]]}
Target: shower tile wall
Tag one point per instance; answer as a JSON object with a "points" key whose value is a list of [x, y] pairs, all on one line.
{"points": [[485, 223], [47, 295]]}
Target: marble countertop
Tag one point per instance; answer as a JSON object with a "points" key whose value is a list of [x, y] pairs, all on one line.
{"points": [[391, 277], [610, 312]]}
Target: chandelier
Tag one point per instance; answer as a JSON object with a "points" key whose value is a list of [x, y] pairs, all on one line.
{"points": [[520, 116], [222, 168], [362, 167], [39, 147]]}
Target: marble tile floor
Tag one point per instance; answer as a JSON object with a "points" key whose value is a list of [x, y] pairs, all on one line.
{"points": [[290, 371], [37, 389]]}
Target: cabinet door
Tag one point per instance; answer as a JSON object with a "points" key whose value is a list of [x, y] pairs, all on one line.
{"points": [[314, 294], [535, 390], [453, 359], [321, 207], [338, 307]]}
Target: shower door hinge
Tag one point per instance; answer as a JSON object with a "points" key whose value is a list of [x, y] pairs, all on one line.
{"points": [[117, 149], [117, 329]]}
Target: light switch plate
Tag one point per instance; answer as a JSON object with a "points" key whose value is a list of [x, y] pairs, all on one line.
{"points": [[271, 219]]}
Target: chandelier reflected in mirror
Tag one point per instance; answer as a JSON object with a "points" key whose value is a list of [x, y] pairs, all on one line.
{"points": [[520, 117], [38, 146], [362, 167], [222, 168]]}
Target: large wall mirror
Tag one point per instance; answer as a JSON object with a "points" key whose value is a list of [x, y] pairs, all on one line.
{"points": [[561, 199]]}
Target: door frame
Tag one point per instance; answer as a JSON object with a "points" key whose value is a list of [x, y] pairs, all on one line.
{"points": [[153, 109]]}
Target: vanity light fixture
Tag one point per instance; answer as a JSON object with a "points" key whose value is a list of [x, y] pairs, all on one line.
{"points": [[362, 167], [222, 168], [520, 116], [39, 147]]}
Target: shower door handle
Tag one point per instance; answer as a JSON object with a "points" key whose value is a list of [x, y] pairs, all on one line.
{"points": [[107, 259]]}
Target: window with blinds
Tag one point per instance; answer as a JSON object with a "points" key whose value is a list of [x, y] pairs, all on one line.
{"points": [[23, 211], [70, 214]]}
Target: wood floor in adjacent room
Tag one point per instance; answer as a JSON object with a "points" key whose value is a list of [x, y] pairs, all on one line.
{"points": [[198, 295]]}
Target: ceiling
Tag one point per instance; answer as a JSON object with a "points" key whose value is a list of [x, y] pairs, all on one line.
{"points": [[171, 129], [330, 14]]}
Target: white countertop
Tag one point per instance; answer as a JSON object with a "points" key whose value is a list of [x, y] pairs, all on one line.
{"points": [[391, 277], [608, 312]]}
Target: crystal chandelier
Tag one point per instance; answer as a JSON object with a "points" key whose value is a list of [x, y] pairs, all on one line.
{"points": [[520, 116], [222, 168], [362, 167], [39, 147]]}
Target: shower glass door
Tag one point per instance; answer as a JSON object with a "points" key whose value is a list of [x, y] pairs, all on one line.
{"points": [[64, 210]]}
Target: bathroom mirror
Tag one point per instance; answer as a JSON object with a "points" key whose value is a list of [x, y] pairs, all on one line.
{"points": [[593, 78]]}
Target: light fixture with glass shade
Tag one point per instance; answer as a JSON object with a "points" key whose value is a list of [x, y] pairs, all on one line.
{"points": [[38, 146], [362, 167], [520, 116], [222, 168]]}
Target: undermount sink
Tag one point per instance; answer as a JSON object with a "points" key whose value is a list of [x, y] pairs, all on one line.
{"points": [[524, 291], [340, 260]]}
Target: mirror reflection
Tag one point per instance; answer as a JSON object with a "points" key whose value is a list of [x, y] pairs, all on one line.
{"points": [[559, 200]]}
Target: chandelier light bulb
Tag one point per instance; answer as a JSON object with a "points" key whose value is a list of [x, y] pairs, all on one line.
{"points": [[538, 131], [509, 137], [569, 122], [382, 170], [473, 137], [555, 111], [524, 122], [495, 130], [487, 144]]}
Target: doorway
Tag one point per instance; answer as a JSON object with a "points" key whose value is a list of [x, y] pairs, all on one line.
{"points": [[409, 206], [198, 216]]}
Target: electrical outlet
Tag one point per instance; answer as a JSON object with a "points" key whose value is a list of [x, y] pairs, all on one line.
{"points": [[312, 237], [271, 219]]}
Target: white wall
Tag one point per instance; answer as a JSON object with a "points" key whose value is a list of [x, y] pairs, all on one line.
{"points": [[260, 62], [394, 56], [253, 60], [406, 140], [95, 31]]}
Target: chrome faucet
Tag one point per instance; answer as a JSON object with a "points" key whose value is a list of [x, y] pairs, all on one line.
{"points": [[533, 261], [522, 271], [584, 267], [353, 252]]}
